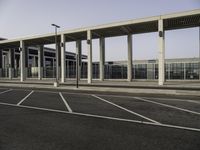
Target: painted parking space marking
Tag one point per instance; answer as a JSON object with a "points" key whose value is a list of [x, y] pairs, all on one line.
{"points": [[13, 96], [45, 100], [174, 99], [25, 98], [90, 105], [124, 96], [103, 117], [5, 91], [65, 102], [126, 109], [166, 105]]}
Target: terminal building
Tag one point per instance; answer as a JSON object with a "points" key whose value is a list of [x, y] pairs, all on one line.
{"points": [[29, 58]]}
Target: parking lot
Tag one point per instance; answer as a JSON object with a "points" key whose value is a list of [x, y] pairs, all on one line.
{"points": [[36, 119]]}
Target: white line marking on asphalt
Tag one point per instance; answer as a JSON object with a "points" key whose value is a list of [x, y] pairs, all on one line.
{"points": [[122, 96], [173, 99], [126, 109], [166, 105], [25, 98], [65, 102], [102, 117], [6, 91]]}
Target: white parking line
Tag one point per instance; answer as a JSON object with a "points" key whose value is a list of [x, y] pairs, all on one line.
{"points": [[25, 98], [126, 109], [5, 91], [122, 96], [103, 117], [65, 102], [170, 106], [173, 99]]}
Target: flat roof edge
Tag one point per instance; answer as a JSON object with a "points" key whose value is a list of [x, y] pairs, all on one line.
{"points": [[109, 25]]}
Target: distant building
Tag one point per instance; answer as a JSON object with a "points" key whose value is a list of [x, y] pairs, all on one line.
{"points": [[175, 69]]}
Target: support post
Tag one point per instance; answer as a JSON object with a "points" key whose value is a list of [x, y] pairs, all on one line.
{"points": [[22, 61], [89, 57], [63, 62], [40, 61], [78, 53], [11, 62], [59, 61], [161, 59], [27, 69], [102, 58], [129, 65]]}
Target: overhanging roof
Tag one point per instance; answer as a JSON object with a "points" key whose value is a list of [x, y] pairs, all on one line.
{"points": [[171, 21]]}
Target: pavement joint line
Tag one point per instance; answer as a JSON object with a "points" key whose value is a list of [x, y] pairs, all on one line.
{"points": [[120, 107], [65, 102], [25, 98], [6, 91], [173, 99], [103, 117], [170, 106]]}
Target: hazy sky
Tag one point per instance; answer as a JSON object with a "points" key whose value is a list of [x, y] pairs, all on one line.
{"points": [[19, 18]]}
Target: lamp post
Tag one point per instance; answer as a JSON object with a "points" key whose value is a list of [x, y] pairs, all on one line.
{"points": [[56, 84]]}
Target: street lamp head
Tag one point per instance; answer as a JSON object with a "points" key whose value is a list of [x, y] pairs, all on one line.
{"points": [[55, 25]]}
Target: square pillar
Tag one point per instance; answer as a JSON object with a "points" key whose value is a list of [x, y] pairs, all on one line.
{"points": [[130, 62], [57, 53], [11, 59], [63, 62], [40, 61], [102, 58], [1, 62], [22, 61], [79, 53], [26, 62], [89, 57], [161, 59], [59, 61]]}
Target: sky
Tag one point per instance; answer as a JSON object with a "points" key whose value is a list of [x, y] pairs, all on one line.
{"points": [[23, 18]]}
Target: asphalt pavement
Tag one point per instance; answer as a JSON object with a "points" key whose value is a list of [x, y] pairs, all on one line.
{"points": [[35, 119]]}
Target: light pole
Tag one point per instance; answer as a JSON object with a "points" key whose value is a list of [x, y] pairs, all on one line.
{"points": [[77, 69], [56, 84]]}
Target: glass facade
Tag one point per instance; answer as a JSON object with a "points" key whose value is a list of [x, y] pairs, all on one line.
{"points": [[192, 71], [175, 69]]}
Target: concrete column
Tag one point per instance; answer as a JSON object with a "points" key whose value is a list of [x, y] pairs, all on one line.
{"points": [[26, 61], [1, 62], [130, 62], [102, 58], [59, 61], [40, 61], [89, 57], [79, 51], [22, 61], [63, 62], [161, 59], [11, 58]]}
